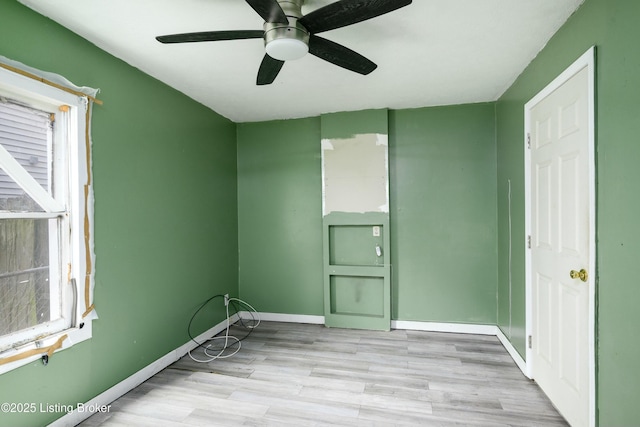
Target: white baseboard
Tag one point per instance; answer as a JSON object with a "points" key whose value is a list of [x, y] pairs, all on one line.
{"points": [[463, 328], [104, 399], [513, 352], [287, 318], [457, 328]]}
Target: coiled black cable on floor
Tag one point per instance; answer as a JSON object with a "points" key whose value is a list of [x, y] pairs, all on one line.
{"points": [[237, 305]]}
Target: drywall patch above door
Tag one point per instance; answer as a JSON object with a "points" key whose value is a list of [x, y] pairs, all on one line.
{"points": [[355, 174], [355, 171]]}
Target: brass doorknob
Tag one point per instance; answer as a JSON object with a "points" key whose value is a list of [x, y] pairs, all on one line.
{"points": [[582, 275]]}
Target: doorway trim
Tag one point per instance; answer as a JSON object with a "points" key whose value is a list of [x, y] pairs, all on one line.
{"points": [[587, 60]]}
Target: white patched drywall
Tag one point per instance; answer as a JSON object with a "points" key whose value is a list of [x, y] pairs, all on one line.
{"points": [[355, 175]]}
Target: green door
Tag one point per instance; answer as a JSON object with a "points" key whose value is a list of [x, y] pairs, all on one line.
{"points": [[355, 209], [357, 288]]}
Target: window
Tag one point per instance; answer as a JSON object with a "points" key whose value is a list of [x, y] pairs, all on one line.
{"points": [[45, 221]]}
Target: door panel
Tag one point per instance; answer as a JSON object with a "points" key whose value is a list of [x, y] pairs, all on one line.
{"points": [[357, 295], [544, 317], [357, 279], [560, 230], [355, 245], [569, 368]]}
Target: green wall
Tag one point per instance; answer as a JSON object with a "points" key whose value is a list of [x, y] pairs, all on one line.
{"points": [[280, 216], [443, 213], [165, 217], [610, 25], [346, 125]]}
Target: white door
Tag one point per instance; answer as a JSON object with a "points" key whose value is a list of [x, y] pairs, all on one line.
{"points": [[560, 225]]}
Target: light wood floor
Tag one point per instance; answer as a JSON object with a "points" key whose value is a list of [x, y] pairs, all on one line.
{"points": [[309, 375]]}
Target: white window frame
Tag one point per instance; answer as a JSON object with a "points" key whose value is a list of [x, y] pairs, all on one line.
{"points": [[73, 170]]}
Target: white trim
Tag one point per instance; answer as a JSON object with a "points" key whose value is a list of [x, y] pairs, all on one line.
{"points": [[587, 60], [28, 215], [36, 94], [464, 328], [288, 318], [460, 328], [104, 399], [520, 362], [456, 328]]}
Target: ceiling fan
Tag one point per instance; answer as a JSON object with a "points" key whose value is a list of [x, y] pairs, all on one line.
{"points": [[289, 35]]}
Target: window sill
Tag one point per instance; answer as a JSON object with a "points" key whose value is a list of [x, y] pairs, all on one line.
{"points": [[73, 337]]}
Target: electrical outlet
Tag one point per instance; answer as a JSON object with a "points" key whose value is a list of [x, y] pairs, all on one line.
{"points": [[226, 300]]}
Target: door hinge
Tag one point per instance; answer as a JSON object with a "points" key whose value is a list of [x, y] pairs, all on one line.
{"points": [[530, 341], [529, 241], [528, 140]]}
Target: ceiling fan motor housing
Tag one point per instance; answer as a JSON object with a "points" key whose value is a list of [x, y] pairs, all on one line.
{"points": [[287, 41]]}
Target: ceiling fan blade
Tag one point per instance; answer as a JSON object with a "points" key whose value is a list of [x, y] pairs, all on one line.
{"points": [[269, 10], [269, 69], [347, 12], [340, 55], [211, 36]]}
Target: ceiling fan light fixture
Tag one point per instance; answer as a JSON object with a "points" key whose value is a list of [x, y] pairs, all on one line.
{"points": [[286, 49]]}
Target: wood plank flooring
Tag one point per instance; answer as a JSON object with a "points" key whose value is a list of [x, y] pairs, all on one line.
{"points": [[308, 375]]}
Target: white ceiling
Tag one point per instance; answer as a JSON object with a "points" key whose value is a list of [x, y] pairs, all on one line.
{"points": [[432, 52]]}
